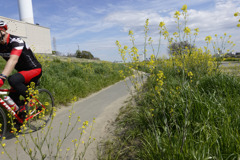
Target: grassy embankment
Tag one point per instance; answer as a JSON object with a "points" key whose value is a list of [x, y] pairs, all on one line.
{"points": [[187, 109], [68, 78]]}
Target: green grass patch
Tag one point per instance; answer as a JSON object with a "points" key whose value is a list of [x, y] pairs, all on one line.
{"points": [[191, 119], [67, 79]]}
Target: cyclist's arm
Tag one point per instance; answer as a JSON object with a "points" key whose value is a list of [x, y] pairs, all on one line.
{"points": [[10, 65]]}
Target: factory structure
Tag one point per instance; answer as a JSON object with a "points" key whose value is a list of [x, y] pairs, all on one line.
{"points": [[36, 36]]}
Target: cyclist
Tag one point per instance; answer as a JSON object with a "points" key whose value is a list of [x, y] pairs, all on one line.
{"points": [[19, 56]]}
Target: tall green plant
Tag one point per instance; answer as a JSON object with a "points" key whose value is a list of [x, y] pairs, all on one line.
{"points": [[185, 108]]}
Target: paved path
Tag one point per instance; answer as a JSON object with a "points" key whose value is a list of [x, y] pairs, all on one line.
{"points": [[103, 106]]}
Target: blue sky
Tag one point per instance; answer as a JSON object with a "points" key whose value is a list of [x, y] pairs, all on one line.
{"points": [[95, 25]]}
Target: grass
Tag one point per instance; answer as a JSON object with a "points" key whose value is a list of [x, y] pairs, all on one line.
{"points": [[193, 120], [187, 109], [68, 79]]}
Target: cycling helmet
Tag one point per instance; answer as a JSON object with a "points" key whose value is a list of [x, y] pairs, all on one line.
{"points": [[3, 25]]}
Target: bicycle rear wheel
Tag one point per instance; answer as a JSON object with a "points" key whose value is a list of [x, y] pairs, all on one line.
{"points": [[42, 110], [3, 123]]}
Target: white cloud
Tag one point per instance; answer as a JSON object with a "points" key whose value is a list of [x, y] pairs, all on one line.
{"points": [[215, 19]]}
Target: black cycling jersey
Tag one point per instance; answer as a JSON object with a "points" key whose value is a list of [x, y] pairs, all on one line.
{"points": [[16, 46]]}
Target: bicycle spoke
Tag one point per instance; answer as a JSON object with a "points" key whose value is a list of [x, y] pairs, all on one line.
{"points": [[43, 110]]}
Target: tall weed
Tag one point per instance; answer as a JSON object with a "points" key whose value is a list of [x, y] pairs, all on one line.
{"points": [[188, 108]]}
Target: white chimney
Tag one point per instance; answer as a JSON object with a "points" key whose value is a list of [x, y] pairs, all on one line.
{"points": [[26, 11]]}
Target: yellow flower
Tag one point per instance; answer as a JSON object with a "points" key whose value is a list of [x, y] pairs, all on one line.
{"points": [[4, 144], [130, 32], [177, 14], [236, 14], [161, 24], [175, 33], [147, 22], [190, 74], [208, 39], [238, 25], [74, 99], [184, 8], [187, 30], [196, 29]]}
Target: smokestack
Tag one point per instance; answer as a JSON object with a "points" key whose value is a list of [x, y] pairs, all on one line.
{"points": [[26, 11]]}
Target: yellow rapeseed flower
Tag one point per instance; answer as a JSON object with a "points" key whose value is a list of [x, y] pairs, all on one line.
{"points": [[177, 14], [208, 39], [184, 8], [190, 74], [175, 33], [187, 30], [196, 29], [147, 22], [236, 14], [161, 24], [130, 32]]}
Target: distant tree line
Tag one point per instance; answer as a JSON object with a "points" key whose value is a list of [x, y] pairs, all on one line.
{"points": [[78, 54], [180, 48], [84, 54]]}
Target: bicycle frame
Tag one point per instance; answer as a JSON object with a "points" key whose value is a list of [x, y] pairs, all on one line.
{"points": [[13, 113], [9, 109]]}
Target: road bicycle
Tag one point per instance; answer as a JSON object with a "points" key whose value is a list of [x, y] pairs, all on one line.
{"points": [[40, 111]]}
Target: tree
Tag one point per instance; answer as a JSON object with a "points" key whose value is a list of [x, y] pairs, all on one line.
{"points": [[78, 53], [84, 54], [87, 55], [180, 48]]}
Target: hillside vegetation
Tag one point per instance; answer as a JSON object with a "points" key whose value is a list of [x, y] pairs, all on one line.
{"points": [[68, 78], [187, 109]]}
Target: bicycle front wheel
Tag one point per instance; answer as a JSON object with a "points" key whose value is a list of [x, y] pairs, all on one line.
{"points": [[42, 110], [3, 123]]}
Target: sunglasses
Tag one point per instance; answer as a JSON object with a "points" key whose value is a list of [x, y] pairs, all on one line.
{"points": [[1, 36]]}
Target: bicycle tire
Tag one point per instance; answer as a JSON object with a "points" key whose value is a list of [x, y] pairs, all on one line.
{"points": [[3, 124], [41, 120]]}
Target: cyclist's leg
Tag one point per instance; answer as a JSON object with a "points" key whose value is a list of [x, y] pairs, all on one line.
{"points": [[15, 97], [17, 83], [20, 80]]}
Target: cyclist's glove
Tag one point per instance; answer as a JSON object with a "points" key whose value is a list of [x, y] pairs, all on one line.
{"points": [[2, 79]]}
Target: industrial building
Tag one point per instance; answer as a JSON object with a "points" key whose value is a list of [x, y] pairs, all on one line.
{"points": [[36, 36]]}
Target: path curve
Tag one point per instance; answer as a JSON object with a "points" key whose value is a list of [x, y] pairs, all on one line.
{"points": [[103, 106]]}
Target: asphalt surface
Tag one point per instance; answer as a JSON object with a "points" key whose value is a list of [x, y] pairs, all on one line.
{"points": [[87, 108], [230, 63]]}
